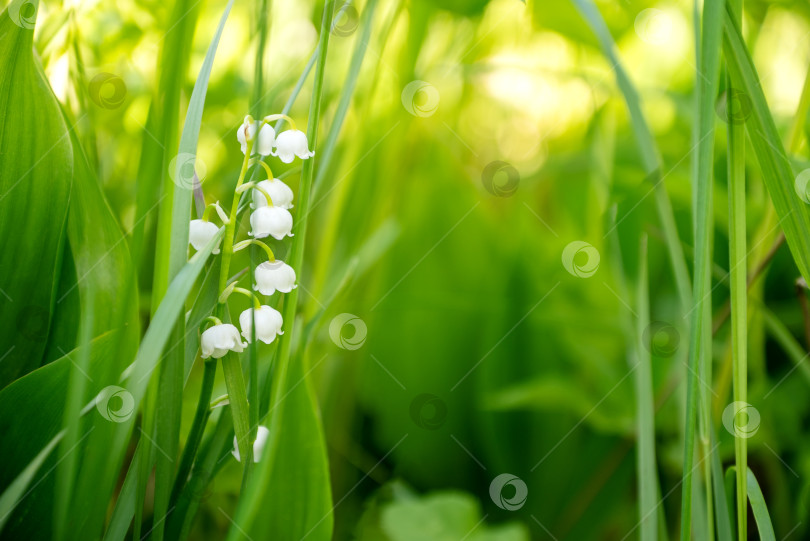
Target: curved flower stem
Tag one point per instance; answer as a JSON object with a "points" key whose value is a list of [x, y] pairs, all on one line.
{"points": [[266, 168], [249, 294], [270, 118], [220, 212], [254, 186], [245, 243]]}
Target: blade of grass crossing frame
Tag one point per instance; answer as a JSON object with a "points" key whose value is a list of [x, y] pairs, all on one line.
{"points": [[646, 470], [774, 164], [310, 518], [761, 515], [646, 144], [707, 79], [739, 288], [722, 517], [172, 376]]}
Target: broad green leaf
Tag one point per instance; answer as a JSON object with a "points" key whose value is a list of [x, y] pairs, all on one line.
{"points": [[30, 418], [36, 166]]}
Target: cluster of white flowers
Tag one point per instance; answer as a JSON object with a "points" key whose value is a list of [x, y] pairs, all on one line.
{"points": [[271, 202]]}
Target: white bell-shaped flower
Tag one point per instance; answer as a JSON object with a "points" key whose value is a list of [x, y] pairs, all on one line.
{"points": [[218, 340], [280, 193], [267, 140], [274, 221], [200, 233], [268, 323], [258, 445], [292, 143], [272, 276]]}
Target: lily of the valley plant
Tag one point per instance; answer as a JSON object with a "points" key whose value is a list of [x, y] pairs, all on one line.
{"points": [[271, 199]]}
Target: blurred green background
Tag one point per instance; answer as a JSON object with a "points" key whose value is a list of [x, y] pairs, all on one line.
{"points": [[482, 139]]}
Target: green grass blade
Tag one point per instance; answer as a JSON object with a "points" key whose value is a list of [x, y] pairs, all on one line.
{"points": [[774, 164], [328, 147], [16, 490], [172, 376], [707, 82], [739, 291], [722, 517], [125, 505], [760, 509], [650, 156], [646, 469]]}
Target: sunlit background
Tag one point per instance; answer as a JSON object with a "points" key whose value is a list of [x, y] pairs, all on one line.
{"points": [[482, 139]]}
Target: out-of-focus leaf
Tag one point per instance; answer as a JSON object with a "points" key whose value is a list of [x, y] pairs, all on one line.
{"points": [[442, 516], [36, 167]]}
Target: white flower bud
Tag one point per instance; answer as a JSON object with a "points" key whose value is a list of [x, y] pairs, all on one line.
{"points": [[280, 193], [274, 275], [292, 143], [200, 233], [218, 340], [258, 445], [268, 323], [246, 132], [273, 221]]}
